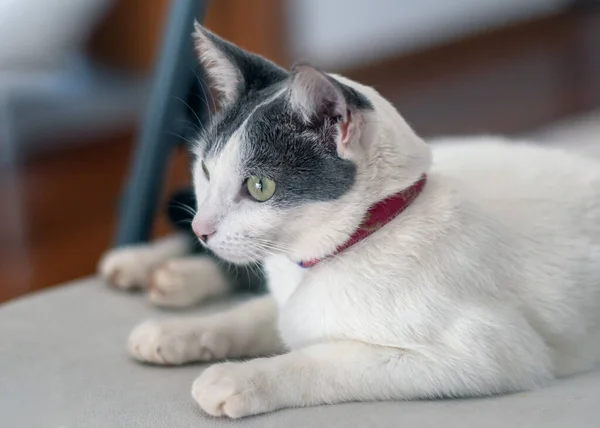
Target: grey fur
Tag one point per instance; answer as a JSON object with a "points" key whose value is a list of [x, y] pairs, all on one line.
{"points": [[302, 159], [299, 155]]}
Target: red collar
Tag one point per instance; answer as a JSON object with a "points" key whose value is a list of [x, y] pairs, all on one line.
{"points": [[378, 216]]}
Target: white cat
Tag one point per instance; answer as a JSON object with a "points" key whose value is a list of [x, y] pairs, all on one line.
{"points": [[488, 280]]}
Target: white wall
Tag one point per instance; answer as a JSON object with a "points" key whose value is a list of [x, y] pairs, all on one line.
{"points": [[342, 33]]}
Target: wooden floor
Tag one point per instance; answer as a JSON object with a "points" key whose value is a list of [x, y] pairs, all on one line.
{"points": [[57, 212]]}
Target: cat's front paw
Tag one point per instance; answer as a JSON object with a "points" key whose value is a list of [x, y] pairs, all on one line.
{"points": [[236, 389], [126, 268], [176, 342], [185, 282]]}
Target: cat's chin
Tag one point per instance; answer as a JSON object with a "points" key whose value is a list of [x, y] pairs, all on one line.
{"points": [[238, 259]]}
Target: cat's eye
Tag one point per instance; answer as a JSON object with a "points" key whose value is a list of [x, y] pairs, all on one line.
{"points": [[205, 171], [260, 188]]}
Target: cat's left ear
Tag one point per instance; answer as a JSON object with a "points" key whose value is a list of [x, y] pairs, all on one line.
{"points": [[323, 101], [231, 70]]}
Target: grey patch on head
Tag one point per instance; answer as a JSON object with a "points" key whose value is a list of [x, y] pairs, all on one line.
{"points": [[230, 120], [278, 143], [299, 155], [301, 158]]}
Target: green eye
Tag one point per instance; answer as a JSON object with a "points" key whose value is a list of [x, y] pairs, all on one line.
{"points": [[259, 188], [205, 170]]}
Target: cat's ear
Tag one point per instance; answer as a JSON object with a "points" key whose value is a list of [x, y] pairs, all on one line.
{"points": [[231, 70], [316, 96], [323, 101], [217, 57]]}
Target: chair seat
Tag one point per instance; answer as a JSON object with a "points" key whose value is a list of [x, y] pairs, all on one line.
{"points": [[63, 364]]}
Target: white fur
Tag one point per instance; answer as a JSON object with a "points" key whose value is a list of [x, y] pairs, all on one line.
{"points": [[186, 281], [129, 267], [488, 283], [172, 279], [247, 331]]}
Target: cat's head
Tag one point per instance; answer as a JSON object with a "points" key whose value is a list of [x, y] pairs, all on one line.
{"points": [[292, 160]]}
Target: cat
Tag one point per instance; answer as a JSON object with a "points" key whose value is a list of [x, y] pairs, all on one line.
{"points": [[396, 271]]}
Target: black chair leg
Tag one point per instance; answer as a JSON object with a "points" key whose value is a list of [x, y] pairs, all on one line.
{"points": [[173, 79]]}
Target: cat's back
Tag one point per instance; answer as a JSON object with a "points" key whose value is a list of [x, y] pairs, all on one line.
{"points": [[523, 184], [497, 164]]}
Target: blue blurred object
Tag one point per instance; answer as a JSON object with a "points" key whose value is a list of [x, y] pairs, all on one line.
{"points": [[177, 79]]}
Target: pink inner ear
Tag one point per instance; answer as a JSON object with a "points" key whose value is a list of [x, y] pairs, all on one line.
{"points": [[345, 128]]}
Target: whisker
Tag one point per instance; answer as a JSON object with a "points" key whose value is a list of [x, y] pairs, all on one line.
{"points": [[187, 140], [187, 208], [264, 249], [187, 211], [191, 124], [248, 269], [200, 125], [190, 107], [200, 81], [272, 245]]}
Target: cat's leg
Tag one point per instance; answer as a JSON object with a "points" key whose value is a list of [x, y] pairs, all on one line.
{"points": [[187, 281], [336, 372], [129, 267], [247, 330]]}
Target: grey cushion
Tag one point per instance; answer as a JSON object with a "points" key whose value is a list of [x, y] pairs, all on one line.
{"points": [[63, 364]]}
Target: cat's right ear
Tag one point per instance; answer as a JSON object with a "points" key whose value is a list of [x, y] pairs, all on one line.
{"points": [[220, 67], [232, 70]]}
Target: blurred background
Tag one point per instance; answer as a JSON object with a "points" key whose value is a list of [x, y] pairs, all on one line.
{"points": [[74, 78]]}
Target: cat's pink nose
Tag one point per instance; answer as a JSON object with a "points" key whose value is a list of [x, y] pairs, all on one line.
{"points": [[203, 228]]}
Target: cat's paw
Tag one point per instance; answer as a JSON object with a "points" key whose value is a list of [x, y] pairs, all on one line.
{"points": [[185, 282], [126, 268], [176, 342], [236, 389], [169, 286]]}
